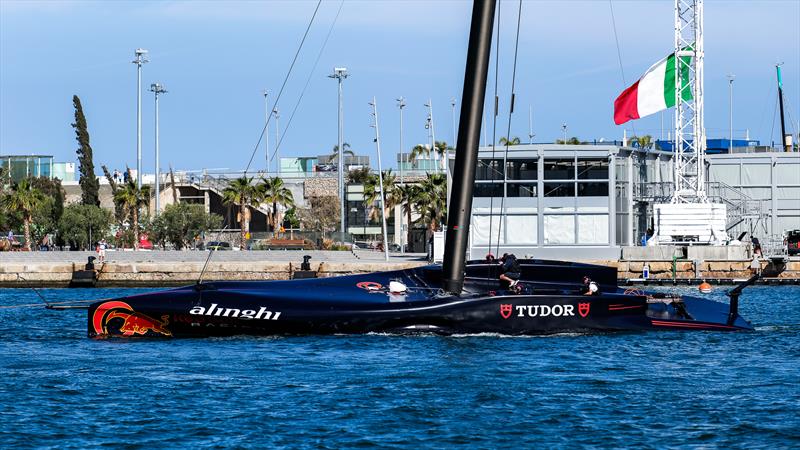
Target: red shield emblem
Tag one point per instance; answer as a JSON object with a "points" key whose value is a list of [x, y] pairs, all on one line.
{"points": [[505, 311], [583, 309]]}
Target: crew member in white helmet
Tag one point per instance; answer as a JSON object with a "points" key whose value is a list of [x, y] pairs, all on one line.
{"points": [[589, 286]]}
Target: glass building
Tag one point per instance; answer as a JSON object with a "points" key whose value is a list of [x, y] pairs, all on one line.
{"points": [[23, 166]]}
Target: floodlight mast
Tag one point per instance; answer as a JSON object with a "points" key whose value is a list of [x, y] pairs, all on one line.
{"points": [[141, 58], [690, 135], [339, 74], [156, 89]]}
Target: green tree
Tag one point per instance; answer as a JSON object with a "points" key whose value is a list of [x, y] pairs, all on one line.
{"points": [[408, 194], [392, 196], [180, 223], [359, 176], [571, 141], [431, 200], [242, 192], [82, 224], [24, 199], [643, 141], [514, 141], [119, 208], [275, 193], [132, 198], [322, 214], [90, 186], [335, 152]]}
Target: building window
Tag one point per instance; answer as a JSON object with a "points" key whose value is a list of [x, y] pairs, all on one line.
{"points": [[489, 169], [559, 189], [521, 169], [488, 190], [592, 169], [595, 189], [559, 169], [559, 229], [521, 189]]}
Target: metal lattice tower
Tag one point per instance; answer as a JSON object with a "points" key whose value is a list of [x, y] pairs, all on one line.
{"points": [[690, 136]]}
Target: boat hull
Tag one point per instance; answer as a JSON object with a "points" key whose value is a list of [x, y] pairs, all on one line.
{"points": [[360, 304]]}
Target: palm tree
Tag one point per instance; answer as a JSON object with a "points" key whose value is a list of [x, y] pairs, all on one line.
{"points": [[24, 198], [408, 194], [514, 141], [242, 192], [431, 200], [372, 194], [272, 190], [132, 198], [335, 151], [420, 150]]}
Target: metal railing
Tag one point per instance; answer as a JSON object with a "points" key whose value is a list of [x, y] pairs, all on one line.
{"points": [[740, 207]]}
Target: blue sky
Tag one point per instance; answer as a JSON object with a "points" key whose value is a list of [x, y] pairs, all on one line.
{"points": [[215, 58]]}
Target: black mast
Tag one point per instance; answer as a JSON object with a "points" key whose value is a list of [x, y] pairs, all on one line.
{"points": [[785, 145], [469, 130]]}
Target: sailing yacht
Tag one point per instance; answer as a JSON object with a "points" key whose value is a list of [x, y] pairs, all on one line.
{"points": [[458, 296]]}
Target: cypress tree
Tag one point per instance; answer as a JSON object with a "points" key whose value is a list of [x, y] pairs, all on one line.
{"points": [[90, 185]]}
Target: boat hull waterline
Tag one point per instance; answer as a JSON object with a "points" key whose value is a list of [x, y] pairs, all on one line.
{"points": [[362, 304]]}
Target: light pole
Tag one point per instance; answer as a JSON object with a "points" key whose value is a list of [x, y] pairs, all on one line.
{"points": [[453, 109], [530, 125], [277, 141], [266, 129], [340, 73], [374, 105], [429, 126], [730, 101], [564, 130], [141, 58], [401, 103], [156, 89]]}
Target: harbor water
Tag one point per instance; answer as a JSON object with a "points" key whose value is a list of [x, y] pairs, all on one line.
{"points": [[60, 389]]}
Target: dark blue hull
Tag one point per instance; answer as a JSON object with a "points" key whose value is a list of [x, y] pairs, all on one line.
{"points": [[362, 304]]}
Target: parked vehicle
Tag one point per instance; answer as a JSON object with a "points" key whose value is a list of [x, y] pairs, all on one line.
{"points": [[218, 245]]}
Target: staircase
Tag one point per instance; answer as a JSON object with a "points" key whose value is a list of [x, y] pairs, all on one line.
{"points": [[741, 208]]}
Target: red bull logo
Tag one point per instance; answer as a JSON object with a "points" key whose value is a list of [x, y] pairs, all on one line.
{"points": [[118, 318]]}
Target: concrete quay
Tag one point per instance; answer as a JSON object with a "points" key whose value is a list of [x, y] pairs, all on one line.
{"points": [[174, 268]]}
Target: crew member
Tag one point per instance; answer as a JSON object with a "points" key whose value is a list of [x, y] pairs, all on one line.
{"points": [[589, 287], [510, 270]]}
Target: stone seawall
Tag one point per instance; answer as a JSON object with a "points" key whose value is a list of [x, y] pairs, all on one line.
{"points": [[54, 269]]}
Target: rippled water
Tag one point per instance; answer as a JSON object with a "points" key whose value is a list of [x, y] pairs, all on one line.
{"points": [[668, 389]]}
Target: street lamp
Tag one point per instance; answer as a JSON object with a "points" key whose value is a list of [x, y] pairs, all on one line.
{"points": [[141, 58], [339, 74], [730, 100], [401, 103], [564, 130], [157, 88], [277, 115], [266, 129]]}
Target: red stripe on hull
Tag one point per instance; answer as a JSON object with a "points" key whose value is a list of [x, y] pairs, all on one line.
{"points": [[662, 323], [619, 307]]}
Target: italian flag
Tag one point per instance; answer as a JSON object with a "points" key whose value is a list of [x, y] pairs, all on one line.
{"points": [[654, 92]]}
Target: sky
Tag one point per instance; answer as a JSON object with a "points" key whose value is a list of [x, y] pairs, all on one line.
{"points": [[215, 58]]}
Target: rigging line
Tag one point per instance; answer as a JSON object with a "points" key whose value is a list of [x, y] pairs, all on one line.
{"points": [[308, 80], [494, 125], [283, 86], [772, 129], [619, 56], [508, 132]]}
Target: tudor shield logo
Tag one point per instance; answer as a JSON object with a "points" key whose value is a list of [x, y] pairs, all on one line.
{"points": [[505, 311], [583, 309]]}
